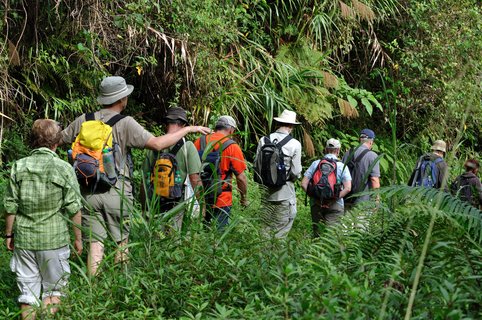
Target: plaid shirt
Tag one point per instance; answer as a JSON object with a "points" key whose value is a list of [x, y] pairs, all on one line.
{"points": [[43, 193]]}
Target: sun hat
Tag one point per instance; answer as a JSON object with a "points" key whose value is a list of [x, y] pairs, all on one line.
{"points": [[333, 144], [439, 145], [176, 113], [226, 121], [112, 89], [287, 116], [367, 134]]}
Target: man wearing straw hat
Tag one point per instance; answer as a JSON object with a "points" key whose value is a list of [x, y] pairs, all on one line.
{"points": [[109, 212], [279, 204]]}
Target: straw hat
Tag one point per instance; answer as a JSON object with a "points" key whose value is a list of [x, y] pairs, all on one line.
{"points": [[287, 116]]}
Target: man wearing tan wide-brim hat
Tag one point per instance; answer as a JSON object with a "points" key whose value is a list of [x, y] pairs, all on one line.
{"points": [[279, 204], [110, 210], [431, 169]]}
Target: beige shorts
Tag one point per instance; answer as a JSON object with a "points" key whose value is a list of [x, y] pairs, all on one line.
{"points": [[38, 272], [108, 215]]}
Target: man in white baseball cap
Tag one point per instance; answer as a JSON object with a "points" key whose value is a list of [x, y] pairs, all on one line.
{"points": [[279, 203], [327, 210], [111, 210]]}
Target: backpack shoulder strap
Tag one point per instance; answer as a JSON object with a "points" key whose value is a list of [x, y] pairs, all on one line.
{"points": [[112, 121], [266, 139], [90, 116], [177, 146], [284, 141], [226, 144], [203, 142], [438, 160], [361, 155]]}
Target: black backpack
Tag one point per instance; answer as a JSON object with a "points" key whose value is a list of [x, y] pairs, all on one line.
{"points": [[464, 189], [269, 166], [210, 171], [357, 182]]}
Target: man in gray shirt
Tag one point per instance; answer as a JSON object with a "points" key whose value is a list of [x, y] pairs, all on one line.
{"points": [[365, 169], [279, 204], [109, 211]]}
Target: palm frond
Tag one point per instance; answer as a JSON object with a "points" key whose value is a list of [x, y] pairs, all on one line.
{"points": [[363, 11], [347, 12], [347, 109]]}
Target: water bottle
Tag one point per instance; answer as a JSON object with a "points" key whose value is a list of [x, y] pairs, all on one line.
{"points": [[177, 177], [109, 164], [176, 191], [69, 156]]}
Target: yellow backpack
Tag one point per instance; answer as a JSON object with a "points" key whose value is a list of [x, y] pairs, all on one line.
{"points": [[165, 176], [93, 154]]}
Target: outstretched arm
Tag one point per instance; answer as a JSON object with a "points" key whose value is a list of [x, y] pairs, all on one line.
{"points": [[169, 139]]}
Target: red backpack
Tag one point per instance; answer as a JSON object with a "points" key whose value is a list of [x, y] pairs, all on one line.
{"points": [[324, 185]]}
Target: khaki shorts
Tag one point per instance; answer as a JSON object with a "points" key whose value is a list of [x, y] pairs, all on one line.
{"points": [[40, 271], [108, 215]]}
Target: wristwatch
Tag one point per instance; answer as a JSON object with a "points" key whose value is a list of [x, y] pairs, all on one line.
{"points": [[8, 236]]}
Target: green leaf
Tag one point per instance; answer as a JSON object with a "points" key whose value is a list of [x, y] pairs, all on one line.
{"points": [[367, 105], [375, 102], [352, 101]]}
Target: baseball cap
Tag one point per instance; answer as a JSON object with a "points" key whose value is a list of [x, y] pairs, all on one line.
{"points": [[367, 134], [333, 143], [226, 121]]}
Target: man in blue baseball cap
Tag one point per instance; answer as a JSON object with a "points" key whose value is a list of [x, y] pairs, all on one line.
{"points": [[364, 168]]}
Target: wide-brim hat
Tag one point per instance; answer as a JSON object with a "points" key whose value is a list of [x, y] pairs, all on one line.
{"points": [[112, 89], [439, 145], [176, 113], [287, 116]]}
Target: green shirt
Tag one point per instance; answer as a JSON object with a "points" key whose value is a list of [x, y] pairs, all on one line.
{"points": [[43, 193], [187, 158]]}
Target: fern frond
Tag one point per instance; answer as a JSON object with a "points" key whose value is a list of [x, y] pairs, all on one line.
{"points": [[467, 216]]}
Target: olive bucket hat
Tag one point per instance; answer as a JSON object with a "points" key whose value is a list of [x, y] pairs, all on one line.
{"points": [[112, 89], [176, 113], [439, 145]]}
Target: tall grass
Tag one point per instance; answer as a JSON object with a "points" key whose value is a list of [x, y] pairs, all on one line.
{"points": [[360, 268]]}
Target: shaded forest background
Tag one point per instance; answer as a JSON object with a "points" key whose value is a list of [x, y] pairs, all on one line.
{"points": [[410, 66], [409, 69]]}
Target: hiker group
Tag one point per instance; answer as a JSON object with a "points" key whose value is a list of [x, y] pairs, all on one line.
{"points": [[44, 192]]}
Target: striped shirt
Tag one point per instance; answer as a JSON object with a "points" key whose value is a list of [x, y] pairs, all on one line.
{"points": [[43, 193]]}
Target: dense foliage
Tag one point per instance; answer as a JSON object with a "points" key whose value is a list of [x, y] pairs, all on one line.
{"points": [[409, 69]]}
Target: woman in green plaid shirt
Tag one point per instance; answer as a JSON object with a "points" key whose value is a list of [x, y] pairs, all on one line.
{"points": [[42, 195]]}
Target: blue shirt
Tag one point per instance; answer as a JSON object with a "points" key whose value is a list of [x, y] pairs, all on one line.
{"points": [[342, 172]]}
